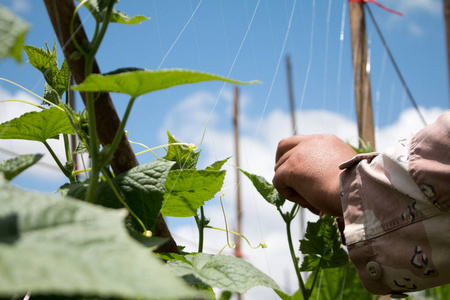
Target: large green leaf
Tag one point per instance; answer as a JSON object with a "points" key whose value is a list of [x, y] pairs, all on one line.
{"points": [[98, 9], [221, 271], [187, 190], [142, 188], [14, 166], [322, 245], [64, 247], [140, 82], [267, 190], [339, 283], [37, 126], [183, 156], [12, 34]]}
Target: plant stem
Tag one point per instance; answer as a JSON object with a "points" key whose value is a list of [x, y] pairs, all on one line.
{"points": [[93, 141], [67, 149], [120, 130], [318, 269], [116, 192], [90, 56], [66, 172], [201, 229], [287, 219]]}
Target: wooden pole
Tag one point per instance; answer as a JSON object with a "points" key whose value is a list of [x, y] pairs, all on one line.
{"points": [[60, 13], [237, 240], [238, 189], [361, 73], [291, 94], [447, 30], [294, 128]]}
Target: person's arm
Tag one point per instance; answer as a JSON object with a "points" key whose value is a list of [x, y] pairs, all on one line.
{"points": [[396, 206]]}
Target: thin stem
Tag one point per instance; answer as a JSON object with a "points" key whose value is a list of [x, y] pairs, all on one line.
{"points": [[72, 34], [119, 133], [294, 259], [192, 146], [262, 245], [318, 269], [34, 94], [81, 171], [98, 38], [116, 192], [22, 101], [58, 162]]}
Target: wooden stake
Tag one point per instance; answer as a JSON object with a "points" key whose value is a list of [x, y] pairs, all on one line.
{"points": [[294, 129], [361, 73], [447, 30], [291, 94], [237, 250]]}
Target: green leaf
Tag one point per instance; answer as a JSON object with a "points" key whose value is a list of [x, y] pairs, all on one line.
{"points": [[61, 79], [66, 247], [142, 188], [50, 95], [182, 155], [221, 271], [14, 166], [37, 126], [81, 148], [44, 60], [12, 34], [217, 165], [138, 83], [187, 190], [440, 292], [339, 283], [322, 245], [296, 296], [267, 190], [98, 9]]}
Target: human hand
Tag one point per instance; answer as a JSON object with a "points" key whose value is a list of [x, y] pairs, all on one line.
{"points": [[307, 171]]}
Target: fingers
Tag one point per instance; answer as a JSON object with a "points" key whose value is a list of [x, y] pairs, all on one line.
{"points": [[285, 145], [293, 196]]}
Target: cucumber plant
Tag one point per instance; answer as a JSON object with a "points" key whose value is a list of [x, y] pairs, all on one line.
{"points": [[96, 240]]}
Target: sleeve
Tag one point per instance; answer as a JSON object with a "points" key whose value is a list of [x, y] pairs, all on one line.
{"points": [[396, 211]]}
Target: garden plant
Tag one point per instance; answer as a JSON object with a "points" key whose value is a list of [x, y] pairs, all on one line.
{"points": [[105, 236]]}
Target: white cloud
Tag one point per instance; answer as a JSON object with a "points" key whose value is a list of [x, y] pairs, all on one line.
{"points": [[412, 10], [46, 167], [261, 221], [20, 6], [418, 6]]}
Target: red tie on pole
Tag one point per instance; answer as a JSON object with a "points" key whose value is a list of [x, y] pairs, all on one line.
{"points": [[379, 5]]}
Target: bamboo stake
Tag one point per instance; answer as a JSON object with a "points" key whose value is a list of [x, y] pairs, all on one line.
{"points": [[60, 13], [361, 73]]}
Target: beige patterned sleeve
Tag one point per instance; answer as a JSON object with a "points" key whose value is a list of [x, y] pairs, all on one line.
{"points": [[396, 208]]}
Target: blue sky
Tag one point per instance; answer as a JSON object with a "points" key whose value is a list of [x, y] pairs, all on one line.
{"points": [[249, 40]]}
